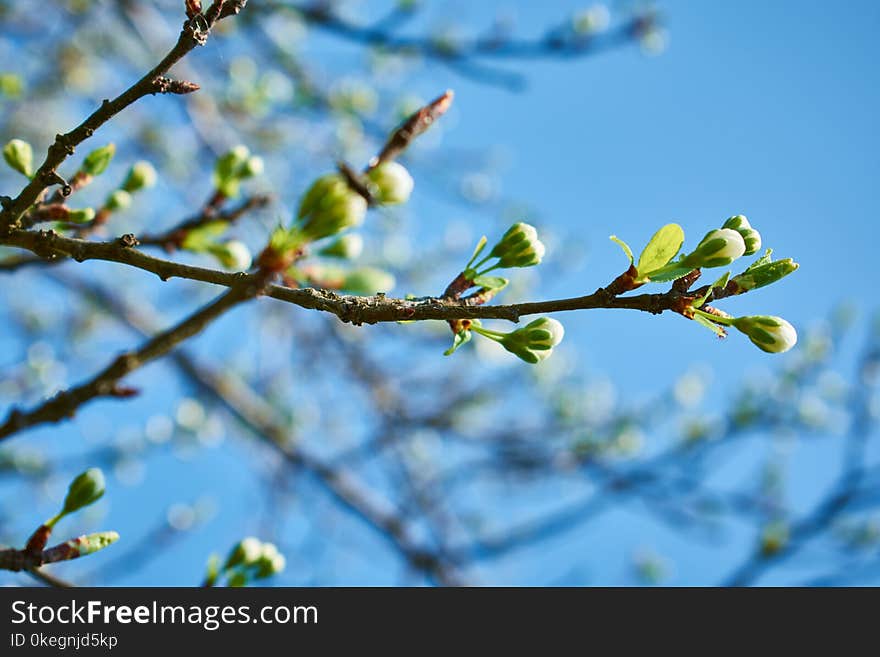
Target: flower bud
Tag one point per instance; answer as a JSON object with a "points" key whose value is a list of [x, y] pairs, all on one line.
{"points": [[751, 237], [391, 183], [329, 207], [347, 247], [755, 277], [519, 247], [771, 334], [142, 175], [271, 562], [252, 167], [719, 247], [534, 342], [233, 255], [86, 489], [118, 200], [83, 216], [368, 280], [20, 156], [246, 552], [97, 161]]}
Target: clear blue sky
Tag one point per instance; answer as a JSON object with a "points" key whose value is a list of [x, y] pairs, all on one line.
{"points": [[767, 109]]}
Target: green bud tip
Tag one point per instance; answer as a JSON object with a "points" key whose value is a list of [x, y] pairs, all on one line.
{"points": [[20, 156], [93, 542], [97, 161], [86, 489], [391, 183], [771, 334], [252, 167], [118, 200], [519, 247], [142, 175]]}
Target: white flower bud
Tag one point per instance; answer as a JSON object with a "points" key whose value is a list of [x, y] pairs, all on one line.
{"points": [[771, 334], [534, 342], [391, 183], [751, 237], [718, 248]]}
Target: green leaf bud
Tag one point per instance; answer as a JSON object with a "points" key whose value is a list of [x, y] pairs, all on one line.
{"points": [[765, 274], [519, 247], [391, 183], [142, 175], [98, 160], [118, 200], [771, 334], [91, 543], [20, 156], [86, 489]]}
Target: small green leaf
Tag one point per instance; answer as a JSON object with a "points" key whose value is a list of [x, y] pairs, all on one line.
{"points": [[478, 250], [462, 337], [763, 260], [491, 282], [661, 249], [669, 273], [623, 245]]}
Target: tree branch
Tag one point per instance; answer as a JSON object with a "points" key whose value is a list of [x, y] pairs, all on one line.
{"points": [[195, 33], [348, 308], [105, 383]]}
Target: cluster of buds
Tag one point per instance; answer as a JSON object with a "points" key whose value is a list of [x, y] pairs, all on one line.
{"points": [[250, 559], [751, 237], [533, 342], [518, 247], [232, 167], [330, 206]]}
